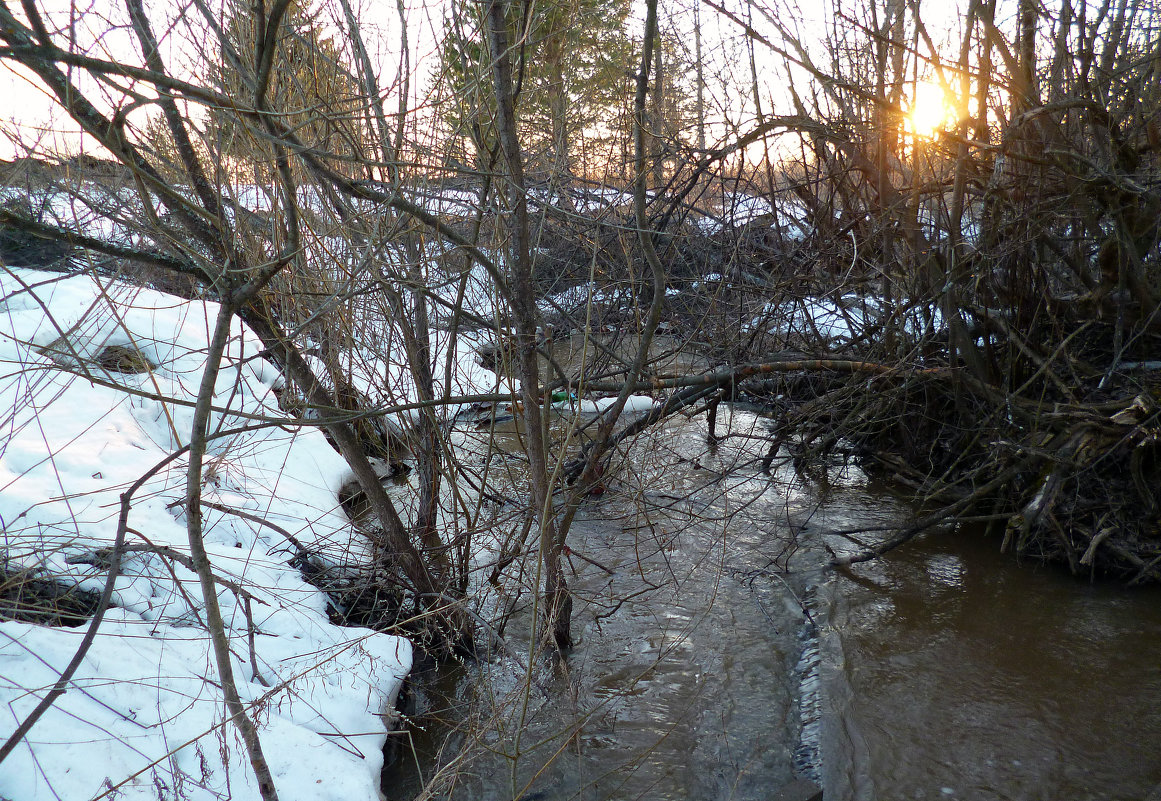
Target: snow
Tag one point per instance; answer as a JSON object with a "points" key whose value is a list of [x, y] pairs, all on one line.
{"points": [[839, 321], [384, 375], [596, 200], [448, 202], [143, 717], [742, 209], [739, 209], [634, 404]]}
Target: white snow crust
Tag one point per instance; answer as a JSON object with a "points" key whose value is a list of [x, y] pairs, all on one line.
{"points": [[143, 718]]}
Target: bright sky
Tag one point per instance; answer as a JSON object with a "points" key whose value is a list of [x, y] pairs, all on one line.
{"points": [[32, 118]]}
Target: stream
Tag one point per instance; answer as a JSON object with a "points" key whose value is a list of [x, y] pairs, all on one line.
{"points": [[718, 661]]}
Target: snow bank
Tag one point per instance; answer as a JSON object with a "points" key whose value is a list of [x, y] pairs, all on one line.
{"points": [[738, 209], [837, 322], [143, 718]]}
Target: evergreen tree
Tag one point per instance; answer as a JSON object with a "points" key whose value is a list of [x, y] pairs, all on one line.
{"points": [[572, 63], [311, 90]]}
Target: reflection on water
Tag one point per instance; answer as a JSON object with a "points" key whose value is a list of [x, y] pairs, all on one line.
{"points": [[945, 671], [682, 685], [972, 677]]}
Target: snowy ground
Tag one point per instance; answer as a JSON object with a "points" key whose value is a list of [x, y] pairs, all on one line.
{"points": [[143, 717]]}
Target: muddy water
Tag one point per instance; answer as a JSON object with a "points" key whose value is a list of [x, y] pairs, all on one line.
{"points": [[965, 676], [706, 670]]}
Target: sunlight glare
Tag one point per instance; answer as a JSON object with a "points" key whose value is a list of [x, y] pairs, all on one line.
{"points": [[931, 110]]}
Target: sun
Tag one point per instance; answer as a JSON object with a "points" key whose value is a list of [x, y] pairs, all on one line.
{"points": [[931, 110]]}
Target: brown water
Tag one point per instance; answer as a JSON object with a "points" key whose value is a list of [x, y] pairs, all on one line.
{"points": [[943, 671], [966, 676]]}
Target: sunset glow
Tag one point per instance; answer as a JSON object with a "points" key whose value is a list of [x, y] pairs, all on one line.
{"points": [[931, 110]]}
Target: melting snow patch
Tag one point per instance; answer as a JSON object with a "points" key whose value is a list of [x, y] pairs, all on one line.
{"points": [[143, 717]]}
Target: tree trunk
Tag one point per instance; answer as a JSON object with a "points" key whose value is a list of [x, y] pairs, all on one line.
{"points": [[557, 601], [396, 546], [657, 121], [699, 108]]}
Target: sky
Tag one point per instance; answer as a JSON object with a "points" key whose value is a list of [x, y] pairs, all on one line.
{"points": [[33, 117], [30, 113]]}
